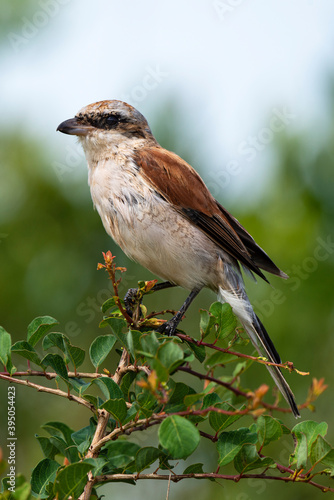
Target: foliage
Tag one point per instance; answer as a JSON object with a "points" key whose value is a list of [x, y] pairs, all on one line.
{"points": [[144, 392]]}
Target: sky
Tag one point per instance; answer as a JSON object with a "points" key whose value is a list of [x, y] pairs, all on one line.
{"points": [[242, 71]]}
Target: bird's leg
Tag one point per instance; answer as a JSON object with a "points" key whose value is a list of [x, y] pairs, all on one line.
{"points": [[132, 296], [170, 326]]}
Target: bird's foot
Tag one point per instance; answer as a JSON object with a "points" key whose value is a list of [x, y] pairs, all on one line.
{"points": [[169, 327]]}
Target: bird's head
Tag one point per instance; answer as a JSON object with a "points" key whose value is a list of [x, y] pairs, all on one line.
{"points": [[107, 123]]}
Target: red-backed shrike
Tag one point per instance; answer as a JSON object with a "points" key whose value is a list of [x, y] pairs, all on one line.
{"points": [[159, 211]]}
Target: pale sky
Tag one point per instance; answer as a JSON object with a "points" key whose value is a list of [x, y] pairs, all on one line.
{"points": [[235, 66]]}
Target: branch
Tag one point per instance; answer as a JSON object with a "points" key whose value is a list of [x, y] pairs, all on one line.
{"points": [[288, 365], [51, 375], [178, 477], [238, 392], [57, 392], [111, 269], [155, 419], [228, 386], [103, 419]]}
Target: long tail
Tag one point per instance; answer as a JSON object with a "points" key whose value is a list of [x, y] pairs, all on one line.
{"points": [[238, 300]]}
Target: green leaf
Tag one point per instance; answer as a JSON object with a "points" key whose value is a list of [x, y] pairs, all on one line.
{"points": [[306, 433], [145, 457], [248, 459], [328, 460], [48, 448], [191, 399], [301, 451], [59, 444], [93, 400], [132, 412], [219, 358], [311, 430], [239, 368], [71, 480], [268, 429], [230, 443], [100, 348], [180, 391], [59, 429], [24, 349], [161, 371], [320, 450], [170, 355], [206, 323], [178, 436], [43, 474], [146, 401], [220, 421], [79, 385], [55, 339], [5, 352], [109, 388], [57, 363], [67, 449], [38, 327], [198, 350], [83, 437], [133, 343], [285, 429], [210, 399], [149, 342], [98, 464], [117, 408], [108, 304], [73, 354], [225, 320], [117, 326], [126, 383], [120, 453], [194, 469]]}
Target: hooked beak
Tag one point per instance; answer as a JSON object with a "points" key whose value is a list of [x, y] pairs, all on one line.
{"points": [[74, 127]]}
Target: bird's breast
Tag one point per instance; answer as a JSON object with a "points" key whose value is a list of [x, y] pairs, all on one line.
{"points": [[147, 228]]}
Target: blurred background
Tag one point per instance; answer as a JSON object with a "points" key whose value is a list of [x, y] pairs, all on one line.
{"points": [[244, 91]]}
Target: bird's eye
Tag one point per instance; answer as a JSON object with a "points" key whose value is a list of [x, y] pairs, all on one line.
{"points": [[111, 120]]}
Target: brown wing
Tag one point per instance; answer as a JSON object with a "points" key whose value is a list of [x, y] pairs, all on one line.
{"points": [[177, 182]]}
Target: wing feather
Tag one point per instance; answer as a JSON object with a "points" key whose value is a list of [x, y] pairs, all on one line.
{"points": [[178, 183]]}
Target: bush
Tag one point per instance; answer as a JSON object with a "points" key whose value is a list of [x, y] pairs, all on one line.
{"points": [[143, 392]]}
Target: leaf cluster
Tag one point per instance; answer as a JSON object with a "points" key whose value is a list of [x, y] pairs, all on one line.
{"points": [[145, 392]]}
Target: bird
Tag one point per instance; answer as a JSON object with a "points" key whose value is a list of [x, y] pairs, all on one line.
{"points": [[159, 211]]}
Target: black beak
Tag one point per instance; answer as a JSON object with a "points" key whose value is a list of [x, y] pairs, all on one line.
{"points": [[74, 127]]}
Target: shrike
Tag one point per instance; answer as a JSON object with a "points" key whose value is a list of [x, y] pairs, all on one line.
{"points": [[159, 211]]}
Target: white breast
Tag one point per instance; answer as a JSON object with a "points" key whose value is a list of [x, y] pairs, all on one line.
{"points": [[147, 228]]}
